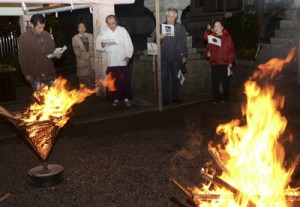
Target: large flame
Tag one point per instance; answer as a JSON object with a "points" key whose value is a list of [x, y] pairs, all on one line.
{"points": [[50, 111], [250, 152], [56, 102]]}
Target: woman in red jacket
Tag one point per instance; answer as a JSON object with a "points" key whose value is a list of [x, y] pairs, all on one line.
{"points": [[221, 57]]}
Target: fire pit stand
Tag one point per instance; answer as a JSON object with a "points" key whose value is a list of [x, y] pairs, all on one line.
{"points": [[41, 136], [40, 123], [46, 175]]}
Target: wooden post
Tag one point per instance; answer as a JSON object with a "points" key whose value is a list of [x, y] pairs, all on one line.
{"points": [[298, 80], [159, 84]]}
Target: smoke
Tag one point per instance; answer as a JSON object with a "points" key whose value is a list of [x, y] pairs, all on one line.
{"points": [[195, 140], [187, 162], [191, 148]]}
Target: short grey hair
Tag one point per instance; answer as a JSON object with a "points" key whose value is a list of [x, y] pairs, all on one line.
{"points": [[111, 16], [173, 10]]}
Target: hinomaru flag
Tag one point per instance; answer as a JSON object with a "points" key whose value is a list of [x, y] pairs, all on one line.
{"points": [[214, 40]]}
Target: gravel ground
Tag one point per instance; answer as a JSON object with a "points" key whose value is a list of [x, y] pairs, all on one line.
{"points": [[129, 161]]}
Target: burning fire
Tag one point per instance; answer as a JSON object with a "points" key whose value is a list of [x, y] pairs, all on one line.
{"points": [[250, 154], [55, 102], [109, 82], [51, 111]]}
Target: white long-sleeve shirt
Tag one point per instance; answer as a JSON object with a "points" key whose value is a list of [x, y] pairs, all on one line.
{"points": [[117, 53]]}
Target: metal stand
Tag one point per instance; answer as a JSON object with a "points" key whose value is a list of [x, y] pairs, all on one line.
{"points": [[46, 175]]}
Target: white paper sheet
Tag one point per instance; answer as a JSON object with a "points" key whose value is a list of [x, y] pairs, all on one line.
{"points": [[152, 49], [58, 51], [168, 30], [229, 72], [109, 42], [181, 77]]}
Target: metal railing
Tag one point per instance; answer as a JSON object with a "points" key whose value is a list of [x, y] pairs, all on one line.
{"points": [[8, 45]]}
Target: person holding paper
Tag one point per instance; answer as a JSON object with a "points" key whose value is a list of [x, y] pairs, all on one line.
{"points": [[34, 46], [83, 46], [173, 55], [221, 52], [117, 44]]}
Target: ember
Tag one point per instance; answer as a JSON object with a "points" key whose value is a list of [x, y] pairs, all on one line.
{"points": [[250, 155]]}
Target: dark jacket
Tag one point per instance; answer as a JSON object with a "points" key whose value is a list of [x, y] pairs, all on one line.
{"points": [[174, 48], [223, 55], [32, 58]]}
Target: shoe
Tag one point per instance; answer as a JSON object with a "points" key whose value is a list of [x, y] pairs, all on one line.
{"points": [[127, 102], [165, 103], [176, 101], [115, 103]]}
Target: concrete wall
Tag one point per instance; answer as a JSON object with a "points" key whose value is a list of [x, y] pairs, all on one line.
{"points": [[197, 79], [197, 82]]}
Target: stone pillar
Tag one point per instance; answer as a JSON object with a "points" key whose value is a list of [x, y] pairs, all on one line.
{"points": [[99, 14], [180, 5], [23, 22], [296, 4]]}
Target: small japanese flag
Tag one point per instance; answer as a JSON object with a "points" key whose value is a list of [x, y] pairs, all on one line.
{"points": [[214, 40]]}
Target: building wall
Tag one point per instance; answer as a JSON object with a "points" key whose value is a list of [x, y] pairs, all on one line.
{"points": [[203, 12], [197, 78]]}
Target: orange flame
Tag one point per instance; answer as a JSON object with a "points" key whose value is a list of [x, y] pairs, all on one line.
{"points": [[109, 82], [273, 66], [49, 113], [251, 153], [56, 101]]}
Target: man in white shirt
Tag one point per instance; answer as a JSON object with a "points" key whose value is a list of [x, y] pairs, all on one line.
{"points": [[117, 44]]}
